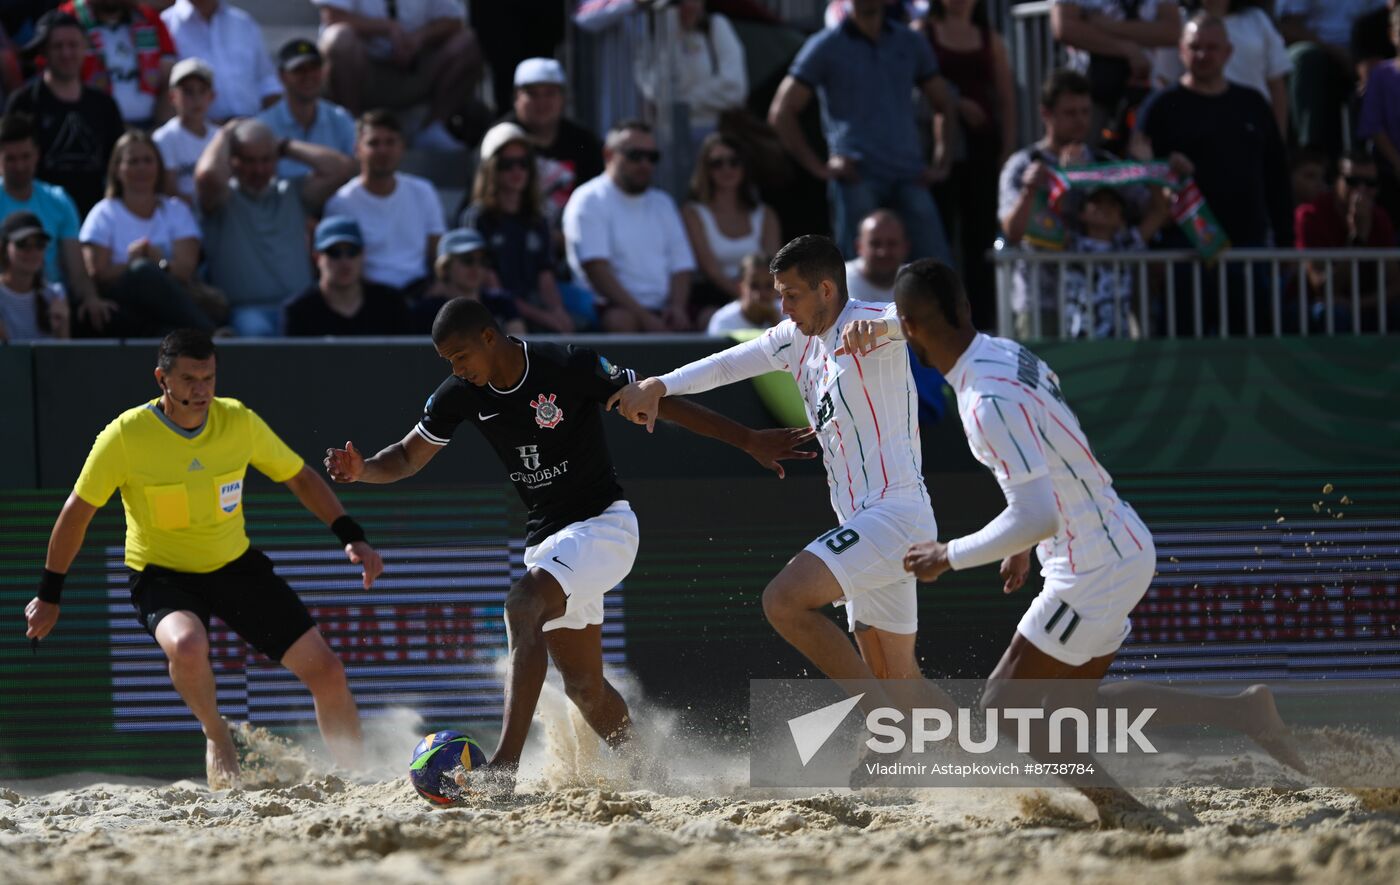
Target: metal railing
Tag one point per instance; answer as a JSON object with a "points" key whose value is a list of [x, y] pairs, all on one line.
{"points": [[1173, 294], [1034, 54]]}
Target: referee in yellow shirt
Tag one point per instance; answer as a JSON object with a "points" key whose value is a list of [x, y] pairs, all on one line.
{"points": [[180, 463]]}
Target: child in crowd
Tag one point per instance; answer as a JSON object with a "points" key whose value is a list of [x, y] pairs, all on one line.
{"points": [[1094, 288], [184, 136], [462, 269]]}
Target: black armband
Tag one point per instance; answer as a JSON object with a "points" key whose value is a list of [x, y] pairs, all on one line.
{"points": [[347, 530], [51, 586]]}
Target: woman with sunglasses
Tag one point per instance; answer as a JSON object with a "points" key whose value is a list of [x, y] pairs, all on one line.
{"points": [[30, 309], [506, 211], [725, 221]]}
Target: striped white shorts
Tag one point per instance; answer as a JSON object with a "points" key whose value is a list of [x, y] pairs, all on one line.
{"points": [[1077, 618]]}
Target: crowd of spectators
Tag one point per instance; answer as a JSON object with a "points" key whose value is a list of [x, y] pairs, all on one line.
{"points": [[162, 168]]}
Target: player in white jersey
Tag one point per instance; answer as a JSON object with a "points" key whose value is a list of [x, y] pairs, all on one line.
{"points": [[863, 407], [1096, 555]]}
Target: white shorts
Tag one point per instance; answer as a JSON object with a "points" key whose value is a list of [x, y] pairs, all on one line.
{"points": [[866, 554], [588, 559], [1076, 618]]}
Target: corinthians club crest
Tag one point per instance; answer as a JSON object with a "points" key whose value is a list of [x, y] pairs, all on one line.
{"points": [[547, 414]]}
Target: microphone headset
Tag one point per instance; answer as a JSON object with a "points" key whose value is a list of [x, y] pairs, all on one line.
{"points": [[165, 387]]}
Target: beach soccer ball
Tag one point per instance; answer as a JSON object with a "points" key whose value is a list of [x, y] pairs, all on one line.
{"points": [[434, 760]]}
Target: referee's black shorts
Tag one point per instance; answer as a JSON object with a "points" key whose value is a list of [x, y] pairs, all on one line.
{"points": [[246, 594]]}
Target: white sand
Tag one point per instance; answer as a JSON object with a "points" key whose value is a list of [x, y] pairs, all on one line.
{"points": [[703, 825]]}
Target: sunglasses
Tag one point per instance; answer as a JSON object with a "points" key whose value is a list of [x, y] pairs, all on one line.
{"points": [[638, 155], [506, 164], [31, 244], [339, 252], [471, 260], [726, 162], [1362, 181]]}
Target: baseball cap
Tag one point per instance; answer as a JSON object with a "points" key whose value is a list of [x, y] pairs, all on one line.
{"points": [[462, 241], [22, 225], [295, 53], [338, 229], [191, 67], [539, 70], [45, 26], [499, 136]]}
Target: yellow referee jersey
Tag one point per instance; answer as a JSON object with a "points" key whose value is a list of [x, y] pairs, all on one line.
{"points": [[183, 489]]}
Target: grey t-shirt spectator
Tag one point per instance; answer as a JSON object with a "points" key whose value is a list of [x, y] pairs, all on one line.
{"points": [[256, 246], [864, 92]]}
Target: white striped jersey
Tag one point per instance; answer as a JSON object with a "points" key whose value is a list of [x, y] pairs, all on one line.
{"points": [[864, 408], [1019, 426]]}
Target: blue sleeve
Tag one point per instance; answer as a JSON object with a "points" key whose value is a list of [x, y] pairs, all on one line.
{"points": [[345, 132], [67, 228], [811, 64]]}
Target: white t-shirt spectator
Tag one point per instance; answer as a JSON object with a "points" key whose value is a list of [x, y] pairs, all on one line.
{"points": [[730, 318], [711, 74], [411, 15], [641, 235], [112, 225], [861, 289], [232, 44], [396, 228], [20, 316], [115, 44], [180, 149]]}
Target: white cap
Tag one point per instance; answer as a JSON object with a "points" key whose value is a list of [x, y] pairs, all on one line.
{"points": [[499, 136], [191, 67], [539, 70]]}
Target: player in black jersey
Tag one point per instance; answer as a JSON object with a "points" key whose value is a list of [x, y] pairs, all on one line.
{"points": [[539, 404]]}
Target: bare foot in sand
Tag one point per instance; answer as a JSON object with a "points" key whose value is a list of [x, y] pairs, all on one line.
{"points": [[1118, 810], [221, 760], [1268, 729]]}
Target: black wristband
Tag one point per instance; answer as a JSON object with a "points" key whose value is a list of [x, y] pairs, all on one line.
{"points": [[347, 530], [51, 586]]}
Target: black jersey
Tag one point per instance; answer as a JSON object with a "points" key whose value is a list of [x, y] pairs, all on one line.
{"points": [[547, 430]]}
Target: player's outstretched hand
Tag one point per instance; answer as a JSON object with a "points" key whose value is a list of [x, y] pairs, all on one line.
{"points": [[771, 447], [345, 465], [861, 336], [927, 560], [1014, 569], [363, 555], [639, 401], [39, 616]]}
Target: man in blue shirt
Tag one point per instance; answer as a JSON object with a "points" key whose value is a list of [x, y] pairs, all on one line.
{"points": [[862, 72], [22, 192], [302, 115]]}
